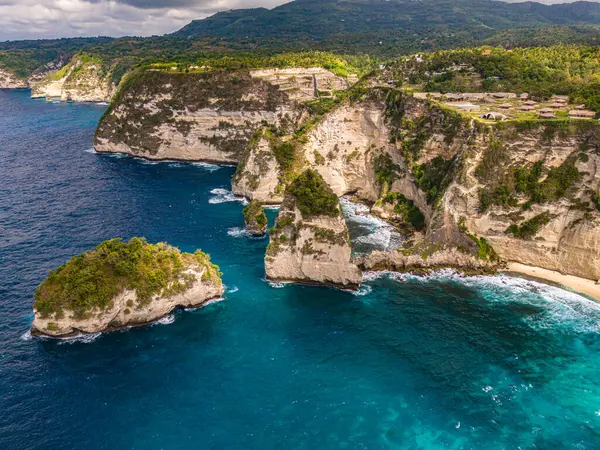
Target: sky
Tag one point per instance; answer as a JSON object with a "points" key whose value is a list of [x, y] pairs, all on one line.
{"points": [[37, 19]]}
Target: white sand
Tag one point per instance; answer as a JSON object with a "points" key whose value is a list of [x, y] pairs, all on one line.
{"points": [[574, 283]]}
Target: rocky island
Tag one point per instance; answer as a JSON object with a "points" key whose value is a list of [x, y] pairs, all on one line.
{"points": [[120, 284], [310, 243], [255, 218]]}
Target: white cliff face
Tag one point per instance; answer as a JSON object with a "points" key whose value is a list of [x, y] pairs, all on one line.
{"points": [[207, 116], [79, 81], [310, 250], [11, 81], [570, 241], [124, 310], [258, 174], [201, 116], [341, 147]]}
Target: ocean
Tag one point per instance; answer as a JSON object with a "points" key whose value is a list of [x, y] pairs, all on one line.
{"points": [[405, 363]]}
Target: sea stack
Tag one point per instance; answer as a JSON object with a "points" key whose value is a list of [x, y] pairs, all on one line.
{"points": [[120, 284], [255, 218], [310, 242]]}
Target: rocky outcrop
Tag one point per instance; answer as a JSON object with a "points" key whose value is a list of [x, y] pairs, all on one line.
{"points": [[11, 81], [255, 219], [258, 175], [428, 259], [342, 146], [310, 248], [84, 79], [208, 116], [121, 291]]}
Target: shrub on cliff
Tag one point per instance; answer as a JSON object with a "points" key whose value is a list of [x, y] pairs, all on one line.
{"points": [[93, 279], [529, 228], [313, 196]]}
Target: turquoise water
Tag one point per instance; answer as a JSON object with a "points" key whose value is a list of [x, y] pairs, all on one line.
{"points": [[487, 362]]}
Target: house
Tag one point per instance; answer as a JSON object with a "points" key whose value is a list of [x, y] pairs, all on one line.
{"points": [[489, 100], [556, 105], [527, 108], [493, 116], [524, 96], [504, 95], [505, 106], [464, 106], [474, 96], [546, 111], [530, 103], [560, 98], [547, 115], [580, 107], [452, 96], [581, 114]]}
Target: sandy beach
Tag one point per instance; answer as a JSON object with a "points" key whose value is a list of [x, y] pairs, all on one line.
{"points": [[577, 284]]}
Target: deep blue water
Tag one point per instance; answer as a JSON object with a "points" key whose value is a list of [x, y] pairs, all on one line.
{"points": [[488, 362]]}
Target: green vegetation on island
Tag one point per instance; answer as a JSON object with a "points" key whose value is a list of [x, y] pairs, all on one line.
{"points": [[255, 218], [313, 195], [92, 280]]}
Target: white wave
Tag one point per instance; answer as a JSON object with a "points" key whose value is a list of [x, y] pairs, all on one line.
{"points": [[167, 320], [214, 300], [378, 234], [364, 289], [207, 166], [238, 232], [80, 339], [102, 103], [560, 309], [91, 150], [232, 290], [224, 195], [175, 164], [276, 284], [26, 336]]}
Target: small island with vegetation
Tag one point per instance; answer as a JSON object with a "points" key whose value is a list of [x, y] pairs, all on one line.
{"points": [[255, 218], [120, 284]]}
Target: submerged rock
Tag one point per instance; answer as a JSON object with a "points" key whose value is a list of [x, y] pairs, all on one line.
{"points": [[310, 242], [120, 284], [255, 218]]}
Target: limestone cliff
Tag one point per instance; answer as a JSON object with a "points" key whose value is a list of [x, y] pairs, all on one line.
{"points": [[523, 191], [10, 81], [310, 242], [481, 193], [343, 145], [83, 79], [259, 175], [121, 284], [205, 116]]}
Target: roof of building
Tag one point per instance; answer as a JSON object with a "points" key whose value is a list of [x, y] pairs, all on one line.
{"points": [[582, 113]]}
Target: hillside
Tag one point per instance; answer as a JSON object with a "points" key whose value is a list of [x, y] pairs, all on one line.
{"points": [[380, 28]]}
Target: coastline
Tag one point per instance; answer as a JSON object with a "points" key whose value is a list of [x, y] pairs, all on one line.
{"points": [[573, 283]]}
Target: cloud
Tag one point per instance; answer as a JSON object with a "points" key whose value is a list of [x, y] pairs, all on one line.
{"points": [[36, 19]]}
